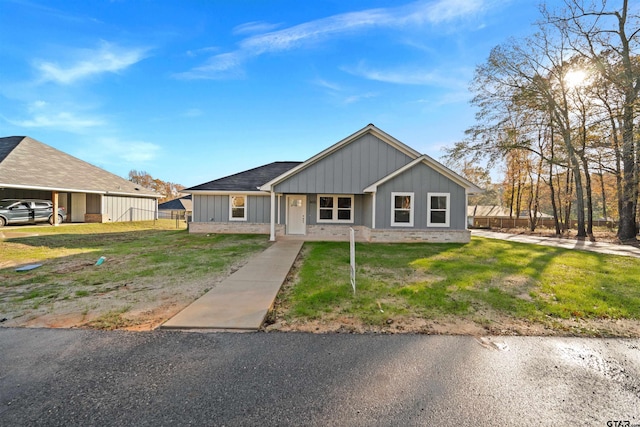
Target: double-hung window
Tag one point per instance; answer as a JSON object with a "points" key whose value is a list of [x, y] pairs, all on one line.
{"points": [[438, 210], [402, 209], [237, 208], [335, 208]]}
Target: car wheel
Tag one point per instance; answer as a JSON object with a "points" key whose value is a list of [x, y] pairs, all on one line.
{"points": [[60, 219], [3, 222]]}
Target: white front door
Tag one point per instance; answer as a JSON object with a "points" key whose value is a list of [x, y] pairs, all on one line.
{"points": [[296, 214]]}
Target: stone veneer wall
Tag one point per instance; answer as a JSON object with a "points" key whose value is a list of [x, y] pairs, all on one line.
{"points": [[336, 232]]}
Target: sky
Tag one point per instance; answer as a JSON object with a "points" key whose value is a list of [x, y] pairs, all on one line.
{"points": [[194, 90]]}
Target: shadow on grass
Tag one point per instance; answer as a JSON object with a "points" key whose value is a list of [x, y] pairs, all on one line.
{"points": [[514, 279]]}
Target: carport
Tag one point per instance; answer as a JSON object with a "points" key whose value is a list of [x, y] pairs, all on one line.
{"points": [[33, 170]]}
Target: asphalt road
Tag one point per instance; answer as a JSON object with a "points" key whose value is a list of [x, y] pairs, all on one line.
{"points": [[162, 378]]}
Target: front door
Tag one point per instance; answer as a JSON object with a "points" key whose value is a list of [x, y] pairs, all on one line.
{"points": [[296, 214]]}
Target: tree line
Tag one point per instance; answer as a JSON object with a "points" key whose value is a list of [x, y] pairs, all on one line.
{"points": [[558, 110], [168, 190]]}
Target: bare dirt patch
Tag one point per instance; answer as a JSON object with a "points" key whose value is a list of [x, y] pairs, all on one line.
{"points": [[137, 306], [492, 324]]}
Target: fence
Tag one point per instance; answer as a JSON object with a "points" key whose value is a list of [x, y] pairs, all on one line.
{"points": [[524, 223]]}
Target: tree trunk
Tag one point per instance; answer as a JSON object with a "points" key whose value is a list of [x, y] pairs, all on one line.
{"points": [[627, 228]]}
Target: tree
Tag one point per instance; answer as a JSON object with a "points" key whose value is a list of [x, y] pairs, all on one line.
{"points": [[168, 190], [607, 36]]}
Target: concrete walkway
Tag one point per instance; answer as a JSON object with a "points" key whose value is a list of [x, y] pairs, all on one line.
{"points": [[582, 245], [242, 300]]}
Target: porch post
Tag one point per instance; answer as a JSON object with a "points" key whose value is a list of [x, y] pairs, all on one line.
{"points": [[272, 235], [54, 196], [466, 208], [373, 212]]}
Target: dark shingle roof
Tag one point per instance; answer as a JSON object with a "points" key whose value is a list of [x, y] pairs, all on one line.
{"points": [[25, 162], [181, 204], [248, 180]]}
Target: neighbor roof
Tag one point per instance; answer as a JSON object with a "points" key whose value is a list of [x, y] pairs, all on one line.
{"points": [[249, 180], [181, 204], [30, 164], [498, 212]]}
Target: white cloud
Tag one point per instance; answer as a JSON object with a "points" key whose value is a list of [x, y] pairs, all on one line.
{"points": [[421, 76], [226, 65], [254, 27], [327, 85], [193, 112], [108, 58], [355, 98], [61, 120], [129, 151], [417, 13], [43, 114]]}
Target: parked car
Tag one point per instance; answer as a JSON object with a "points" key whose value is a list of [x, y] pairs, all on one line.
{"points": [[27, 211]]}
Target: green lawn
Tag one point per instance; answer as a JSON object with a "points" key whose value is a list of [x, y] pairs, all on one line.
{"points": [[431, 281], [148, 259]]}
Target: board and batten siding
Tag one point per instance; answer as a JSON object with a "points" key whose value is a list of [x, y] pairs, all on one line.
{"points": [[122, 208], [215, 208], [348, 170], [420, 180]]}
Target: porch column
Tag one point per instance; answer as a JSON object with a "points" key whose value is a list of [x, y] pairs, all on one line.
{"points": [[373, 211], [466, 208], [54, 196], [272, 234]]}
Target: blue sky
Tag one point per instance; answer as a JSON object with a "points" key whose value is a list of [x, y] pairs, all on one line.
{"points": [[191, 91]]}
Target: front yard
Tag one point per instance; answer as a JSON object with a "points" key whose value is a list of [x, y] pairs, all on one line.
{"points": [[152, 271], [487, 286]]}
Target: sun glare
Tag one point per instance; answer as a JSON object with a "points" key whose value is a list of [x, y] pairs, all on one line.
{"points": [[575, 78]]}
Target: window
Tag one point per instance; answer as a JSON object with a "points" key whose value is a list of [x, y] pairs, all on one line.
{"points": [[237, 208], [335, 208], [402, 209], [437, 209]]}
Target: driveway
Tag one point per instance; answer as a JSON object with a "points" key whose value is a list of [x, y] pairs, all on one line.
{"points": [[582, 245], [82, 377]]}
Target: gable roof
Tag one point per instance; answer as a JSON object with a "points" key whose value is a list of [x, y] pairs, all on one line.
{"points": [[30, 164], [438, 167], [249, 180], [179, 204], [370, 128]]}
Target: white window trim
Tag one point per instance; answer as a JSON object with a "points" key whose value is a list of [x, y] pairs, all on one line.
{"points": [[231, 196], [335, 219], [447, 211], [393, 209]]}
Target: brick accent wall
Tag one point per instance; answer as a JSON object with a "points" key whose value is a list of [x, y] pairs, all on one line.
{"points": [[96, 218], [336, 233], [232, 227], [432, 236]]}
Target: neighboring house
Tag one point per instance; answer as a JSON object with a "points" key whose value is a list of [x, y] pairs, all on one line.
{"points": [[500, 217], [31, 169], [369, 181], [177, 208]]}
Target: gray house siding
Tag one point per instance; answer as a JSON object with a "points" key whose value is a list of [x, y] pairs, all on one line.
{"points": [[348, 170], [367, 203], [122, 208], [215, 208], [420, 180]]}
